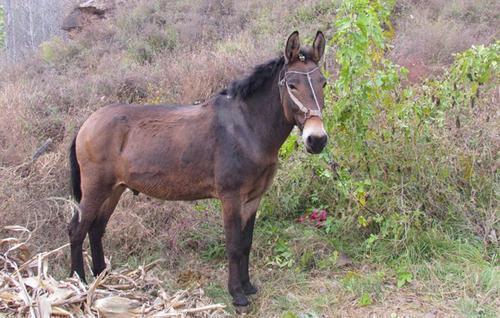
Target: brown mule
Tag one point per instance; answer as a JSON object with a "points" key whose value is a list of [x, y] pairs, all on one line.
{"points": [[226, 148]]}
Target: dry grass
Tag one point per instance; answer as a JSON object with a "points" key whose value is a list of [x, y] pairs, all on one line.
{"points": [[429, 32]]}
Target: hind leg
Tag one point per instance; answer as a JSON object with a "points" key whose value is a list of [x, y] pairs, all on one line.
{"points": [[76, 248], [80, 224], [98, 228]]}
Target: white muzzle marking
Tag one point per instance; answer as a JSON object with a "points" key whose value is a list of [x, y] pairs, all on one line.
{"points": [[313, 128]]}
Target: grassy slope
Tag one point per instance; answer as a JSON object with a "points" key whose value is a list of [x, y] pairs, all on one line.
{"points": [[169, 52]]}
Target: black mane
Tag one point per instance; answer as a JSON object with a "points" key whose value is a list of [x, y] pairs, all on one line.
{"points": [[261, 73]]}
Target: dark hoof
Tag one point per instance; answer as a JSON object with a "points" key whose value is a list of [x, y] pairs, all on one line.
{"points": [[242, 309], [249, 289], [74, 274], [240, 301], [96, 273]]}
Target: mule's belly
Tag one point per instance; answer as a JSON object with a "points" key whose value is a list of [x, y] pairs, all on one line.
{"points": [[170, 188], [170, 178]]}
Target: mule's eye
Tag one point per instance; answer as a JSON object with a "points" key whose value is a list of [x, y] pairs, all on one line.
{"points": [[324, 84], [292, 87]]}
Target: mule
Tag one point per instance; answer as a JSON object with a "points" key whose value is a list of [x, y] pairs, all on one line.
{"points": [[226, 148]]}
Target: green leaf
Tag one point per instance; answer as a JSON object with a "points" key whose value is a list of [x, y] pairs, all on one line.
{"points": [[362, 221], [289, 314], [365, 300], [404, 278], [288, 146]]}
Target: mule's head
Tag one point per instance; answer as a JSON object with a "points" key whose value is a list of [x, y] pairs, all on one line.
{"points": [[301, 87]]}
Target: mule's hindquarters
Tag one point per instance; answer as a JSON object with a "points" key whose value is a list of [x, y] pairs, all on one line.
{"points": [[97, 199]]}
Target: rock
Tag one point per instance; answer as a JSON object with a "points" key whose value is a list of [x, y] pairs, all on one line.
{"points": [[343, 260], [87, 12], [100, 5], [242, 310], [431, 314]]}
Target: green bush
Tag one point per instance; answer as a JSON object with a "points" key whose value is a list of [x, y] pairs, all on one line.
{"points": [[59, 53], [155, 41]]}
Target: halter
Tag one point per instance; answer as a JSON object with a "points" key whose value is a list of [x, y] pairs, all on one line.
{"points": [[307, 111]]}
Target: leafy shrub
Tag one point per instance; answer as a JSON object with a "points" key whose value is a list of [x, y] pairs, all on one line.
{"points": [[154, 41], [57, 52]]}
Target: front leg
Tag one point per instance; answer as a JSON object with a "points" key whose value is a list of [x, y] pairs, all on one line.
{"points": [[234, 247], [249, 211]]}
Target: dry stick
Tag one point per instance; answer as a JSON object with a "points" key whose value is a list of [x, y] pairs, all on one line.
{"points": [[145, 268], [128, 279], [119, 287], [75, 299], [26, 298], [190, 311], [42, 149], [154, 263], [95, 284]]}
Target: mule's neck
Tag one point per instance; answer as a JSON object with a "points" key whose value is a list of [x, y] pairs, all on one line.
{"points": [[266, 115]]}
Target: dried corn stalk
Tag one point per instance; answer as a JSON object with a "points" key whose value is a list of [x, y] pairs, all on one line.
{"points": [[27, 289]]}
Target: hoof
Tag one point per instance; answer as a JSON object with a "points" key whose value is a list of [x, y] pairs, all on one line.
{"points": [[240, 301], [242, 309], [249, 289], [97, 272], [75, 275]]}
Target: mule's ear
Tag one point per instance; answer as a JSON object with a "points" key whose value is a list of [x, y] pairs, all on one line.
{"points": [[319, 46], [292, 46]]}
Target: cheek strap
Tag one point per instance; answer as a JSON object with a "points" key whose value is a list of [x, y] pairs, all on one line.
{"points": [[307, 111]]}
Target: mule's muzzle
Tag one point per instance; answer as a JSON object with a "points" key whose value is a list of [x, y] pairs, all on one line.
{"points": [[315, 144], [314, 135]]}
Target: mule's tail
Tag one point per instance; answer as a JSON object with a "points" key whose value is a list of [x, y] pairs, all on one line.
{"points": [[75, 173]]}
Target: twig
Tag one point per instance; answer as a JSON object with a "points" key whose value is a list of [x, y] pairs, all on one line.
{"points": [[42, 149]]}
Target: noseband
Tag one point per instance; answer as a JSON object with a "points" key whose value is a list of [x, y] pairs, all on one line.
{"points": [[307, 111]]}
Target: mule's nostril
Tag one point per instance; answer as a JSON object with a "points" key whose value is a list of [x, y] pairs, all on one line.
{"points": [[316, 140], [309, 140], [322, 140], [315, 144]]}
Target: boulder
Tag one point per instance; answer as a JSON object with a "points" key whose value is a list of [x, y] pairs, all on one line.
{"points": [[100, 5], [87, 12]]}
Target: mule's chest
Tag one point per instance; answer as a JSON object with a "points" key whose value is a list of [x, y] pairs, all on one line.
{"points": [[259, 182]]}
